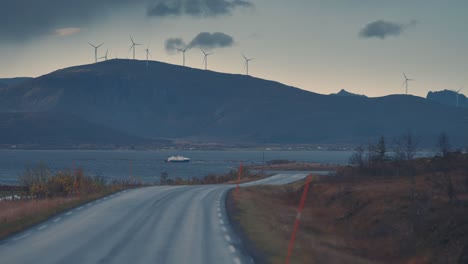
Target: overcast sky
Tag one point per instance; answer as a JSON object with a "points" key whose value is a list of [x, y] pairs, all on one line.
{"points": [[362, 46]]}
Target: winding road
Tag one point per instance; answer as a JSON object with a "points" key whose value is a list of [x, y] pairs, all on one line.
{"points": [[163, 224]]}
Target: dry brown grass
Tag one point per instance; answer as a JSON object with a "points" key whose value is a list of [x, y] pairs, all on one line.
{"points": [[18, 215], [360, 221]]}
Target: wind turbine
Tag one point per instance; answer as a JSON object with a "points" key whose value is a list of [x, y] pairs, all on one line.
{"points": [[205, 59], [95, 51], [133, 46], [183, 51], [148, 53], [458, 93], [406, 82], [246, 66], [105, 57]]}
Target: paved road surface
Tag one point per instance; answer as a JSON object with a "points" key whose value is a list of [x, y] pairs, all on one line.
{"points": [[165, 224]]}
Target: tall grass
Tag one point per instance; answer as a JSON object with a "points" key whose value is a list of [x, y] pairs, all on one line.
{"points": [[45, 194]]}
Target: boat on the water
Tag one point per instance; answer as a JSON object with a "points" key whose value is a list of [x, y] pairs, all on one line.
{"points": [[177, 159]]}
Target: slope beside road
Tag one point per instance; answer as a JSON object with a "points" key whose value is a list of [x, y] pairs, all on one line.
{"points": [[163, 224]]}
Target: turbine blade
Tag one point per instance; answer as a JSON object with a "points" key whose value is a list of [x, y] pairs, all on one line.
{"points": [[132, 39], [100, 45], [92, 45], [405, 76], [403, 84]]}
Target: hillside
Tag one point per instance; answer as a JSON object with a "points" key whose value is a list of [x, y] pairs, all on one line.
{"points": [[447, 97], [343, 92], [55, 130], [169, 101], [4, 82]]}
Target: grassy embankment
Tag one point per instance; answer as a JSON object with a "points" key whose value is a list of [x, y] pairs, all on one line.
{"points": [[378, 214], [44, 195]]}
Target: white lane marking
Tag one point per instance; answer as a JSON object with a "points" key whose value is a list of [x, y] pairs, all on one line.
{"points": [[228, 238], [237, 260], [221, 221], [79, 208], [69, 213], [105, 198], [21, 237], [57, 219], [224, 229], [232, 248], [219, 209], [42, 227], [219, 215]]}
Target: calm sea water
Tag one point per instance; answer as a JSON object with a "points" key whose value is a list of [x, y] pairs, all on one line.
{"points": [[148, 165]]}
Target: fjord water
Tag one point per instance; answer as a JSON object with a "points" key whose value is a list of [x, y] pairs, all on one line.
{"points": [[148, 165]]}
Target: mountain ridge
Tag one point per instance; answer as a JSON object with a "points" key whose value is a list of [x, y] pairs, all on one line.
{"points": [[171, 101]]}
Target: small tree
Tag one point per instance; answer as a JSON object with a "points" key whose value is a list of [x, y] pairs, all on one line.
{"points": [[380, 151], [443, 145], [410, 144], [357, 159]]}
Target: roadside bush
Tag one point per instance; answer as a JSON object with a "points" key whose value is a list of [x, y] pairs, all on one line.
{"points": [[40, 183]]}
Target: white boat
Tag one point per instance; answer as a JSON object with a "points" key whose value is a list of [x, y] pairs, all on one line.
{"points": [[177, 159]]}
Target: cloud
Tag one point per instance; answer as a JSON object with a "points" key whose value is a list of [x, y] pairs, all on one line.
{"points": [[63, 32], [382, 29], [196, 8], [212, 40], [23, 20], [204, 40], [173, 44]]}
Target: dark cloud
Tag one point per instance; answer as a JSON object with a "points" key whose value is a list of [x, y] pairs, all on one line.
{"points": [[173, 44], [22, 20], [382, 29], [203, 40], [212, 40], [196, 8]]}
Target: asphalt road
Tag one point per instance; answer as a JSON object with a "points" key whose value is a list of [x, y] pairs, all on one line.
{"points": [[164, 224]]}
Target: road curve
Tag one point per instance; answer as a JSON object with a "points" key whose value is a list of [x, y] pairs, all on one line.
{"points": [[163, 224]]}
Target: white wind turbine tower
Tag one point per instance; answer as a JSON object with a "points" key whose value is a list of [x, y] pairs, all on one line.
{"points": [[133, 46], [406, 82], [95, 51], [148, 53], [205, 58], [105, 56], [246, 66], [458, 93], [183, 53]]}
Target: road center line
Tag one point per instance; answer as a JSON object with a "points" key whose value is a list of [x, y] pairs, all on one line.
{"points": [[237, 260], [69, 213], [21, 237], [232, 249], [42, 227], [57, 219], [79, 208], [228, 238], [221, 221], [224, 229]]}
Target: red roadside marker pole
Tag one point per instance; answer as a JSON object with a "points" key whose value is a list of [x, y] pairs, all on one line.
{"points": [[239, 172], [298, 218]]}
